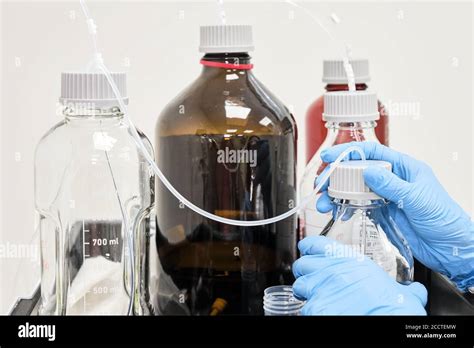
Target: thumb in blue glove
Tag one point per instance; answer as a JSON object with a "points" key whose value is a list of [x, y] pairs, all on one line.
{"points": [[336, 280]]}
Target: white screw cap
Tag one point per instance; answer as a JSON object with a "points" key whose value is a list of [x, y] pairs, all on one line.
{"points": [[334, 72], [92, 88], [347, 180], [347, 106], [226, 39]]}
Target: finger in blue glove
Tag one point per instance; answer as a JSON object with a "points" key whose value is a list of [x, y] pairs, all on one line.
{"points": [[336, 280]]}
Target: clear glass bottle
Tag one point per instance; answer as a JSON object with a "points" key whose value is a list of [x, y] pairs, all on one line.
{"points": [[334, 75], [362, 220], [93, 192], [229, 146], [350, 116]]}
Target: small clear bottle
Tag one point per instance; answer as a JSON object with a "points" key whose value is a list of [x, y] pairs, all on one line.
{"points": [[93, 194], [350, 116], [279, 300], [362, 220]]}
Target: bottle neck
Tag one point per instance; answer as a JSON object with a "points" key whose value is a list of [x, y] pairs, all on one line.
{"points": [[226, 63], [90, 113], [344, 132], [331, 87], [360, 203], [367, 127], [362, 126]]}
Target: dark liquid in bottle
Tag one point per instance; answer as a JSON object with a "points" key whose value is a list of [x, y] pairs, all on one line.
{"points": [[238, 176]]}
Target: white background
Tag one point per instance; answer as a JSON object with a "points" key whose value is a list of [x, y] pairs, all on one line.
{"points": [[420, 54]]}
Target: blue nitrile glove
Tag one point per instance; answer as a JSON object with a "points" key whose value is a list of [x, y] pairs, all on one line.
{"points": [[439, 232], [336, 280]]}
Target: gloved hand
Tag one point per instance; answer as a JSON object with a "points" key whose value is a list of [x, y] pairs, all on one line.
{"points": [[439, 232], [335, 280]]}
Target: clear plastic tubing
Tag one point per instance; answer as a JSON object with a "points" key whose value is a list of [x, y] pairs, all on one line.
{"points": [[345, 55], [279, 300], [221, 11], [149, 158]]}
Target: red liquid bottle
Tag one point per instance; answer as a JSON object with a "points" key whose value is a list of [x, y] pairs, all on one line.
{"points": [[335, 78], [349, 116]]}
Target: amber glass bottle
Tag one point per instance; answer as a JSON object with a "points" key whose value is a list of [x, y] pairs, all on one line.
{"points": [[229, 146]]}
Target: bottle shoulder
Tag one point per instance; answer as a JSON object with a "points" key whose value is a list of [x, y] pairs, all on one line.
{"points": [[146, 141], [316, 164], [55, 133], [316, 109], [83, 138], [215, 104]]}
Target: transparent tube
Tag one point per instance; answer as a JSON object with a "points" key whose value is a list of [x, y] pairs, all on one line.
{"points": [[149, 158], [345, 55]]}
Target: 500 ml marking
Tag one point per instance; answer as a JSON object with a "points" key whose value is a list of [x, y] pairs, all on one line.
{"points": [[100, 290]]}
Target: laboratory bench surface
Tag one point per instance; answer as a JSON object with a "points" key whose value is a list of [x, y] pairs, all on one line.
{"points": [[444, 298]]}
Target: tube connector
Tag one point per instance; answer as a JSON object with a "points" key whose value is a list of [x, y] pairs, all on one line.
{"points": [[218, 306]]}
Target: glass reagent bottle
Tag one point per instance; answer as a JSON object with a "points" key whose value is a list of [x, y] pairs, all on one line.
{"points": [[93, 194], [335, 78], [229, 146], [362, 220], [350, 116]]}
